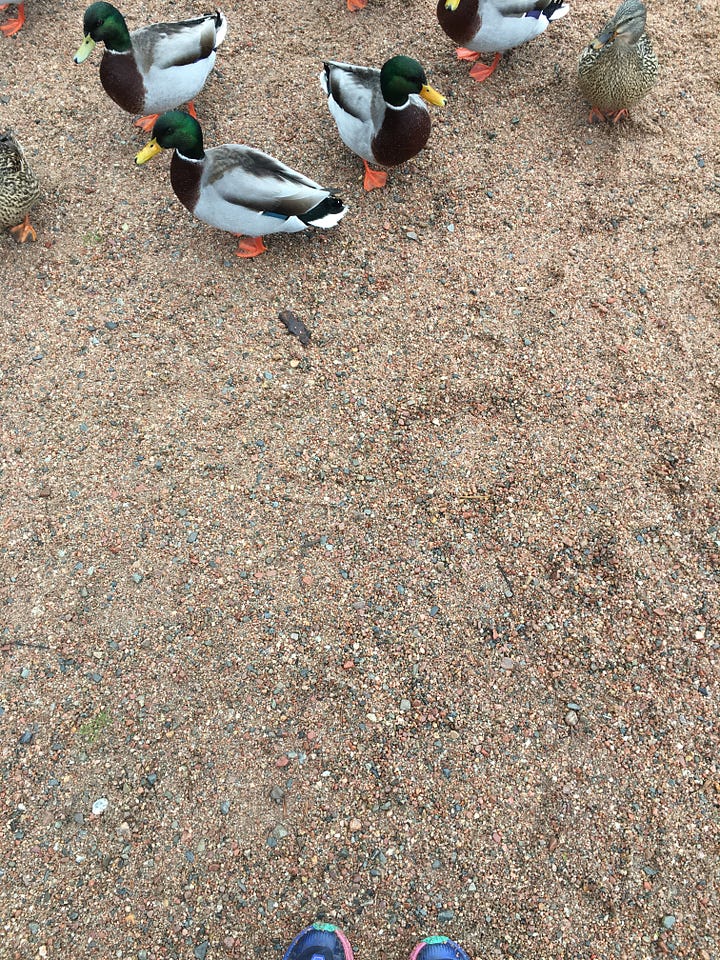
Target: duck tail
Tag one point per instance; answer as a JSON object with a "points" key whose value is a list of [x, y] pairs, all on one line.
{"points": [[325, 214], [221, 26], [555, 10], [324, 77]]}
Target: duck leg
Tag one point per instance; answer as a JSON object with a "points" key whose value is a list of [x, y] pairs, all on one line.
{"points": [[147, 123], [354, 5], [250, 247], [24, 230], [13, 26], [481, 71], [373, 178], [596, 115], [191, 109]]}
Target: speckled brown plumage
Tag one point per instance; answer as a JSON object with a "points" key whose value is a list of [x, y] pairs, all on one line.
{"points": [[619, 67], [19, 188]]}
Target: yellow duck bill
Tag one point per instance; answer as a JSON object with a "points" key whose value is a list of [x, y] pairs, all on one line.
{"points": [[149, 151], [432, 96], [84, 50]]}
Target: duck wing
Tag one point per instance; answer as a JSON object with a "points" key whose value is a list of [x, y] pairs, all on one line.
{"points": [[245, 177], [12, 158], [356, 90], [165, 45]]}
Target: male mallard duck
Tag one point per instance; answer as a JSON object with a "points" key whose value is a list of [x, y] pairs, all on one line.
{"points": [[380, 114], [19, 189], [619, 67], [237, 188], [495, 26], [11, 27], [154, 68]]}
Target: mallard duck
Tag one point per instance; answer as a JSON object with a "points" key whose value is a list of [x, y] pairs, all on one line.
{"points": [[237, 188], [380, 114], [495, 26], [19, 189], [11, 27], [154, 68], [619, 67]]}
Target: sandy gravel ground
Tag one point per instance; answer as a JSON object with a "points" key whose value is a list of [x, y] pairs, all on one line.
{"points": [[414, 630]]}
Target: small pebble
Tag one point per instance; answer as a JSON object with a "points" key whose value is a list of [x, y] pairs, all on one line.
{"points": [[571, 718], [668, 921], [100, 806], [355, 825], [405, 706], [506, 664]]}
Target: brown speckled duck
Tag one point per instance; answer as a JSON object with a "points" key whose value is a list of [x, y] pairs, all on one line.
{"points": [[154, 68], [618, 68], [19, 189]]}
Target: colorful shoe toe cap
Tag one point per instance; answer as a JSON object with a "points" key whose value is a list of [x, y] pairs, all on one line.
{"points": [[438, 948], [320, 941]]}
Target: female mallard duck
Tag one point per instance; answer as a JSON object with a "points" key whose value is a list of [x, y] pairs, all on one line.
{"points": [[154, 68], [619, 67], [11, 27], [237, 188], [19, 189], [380, 114], [495, 26]]}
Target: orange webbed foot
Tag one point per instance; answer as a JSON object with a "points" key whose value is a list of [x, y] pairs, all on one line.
{"points": [[13, 26], [250, 247], [24, 231], [147, 123], [481, 71], [354, 5], [462, 53], [373, 179], [618, 116], [191, 109]]}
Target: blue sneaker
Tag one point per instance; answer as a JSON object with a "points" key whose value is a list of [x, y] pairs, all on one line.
{"points": [[320, 941], [438, 948]]}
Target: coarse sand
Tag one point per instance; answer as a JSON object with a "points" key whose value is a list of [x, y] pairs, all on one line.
{"points": [[413, 629]]}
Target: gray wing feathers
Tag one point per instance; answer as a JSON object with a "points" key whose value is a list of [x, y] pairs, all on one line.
{"points": [[510, 8], [250, 178], [355, 89], [164, 45]]}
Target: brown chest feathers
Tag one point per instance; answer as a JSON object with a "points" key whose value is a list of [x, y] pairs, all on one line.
{"points": [[402, 134], [122, 81], [460, 25], [185, 180]]}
